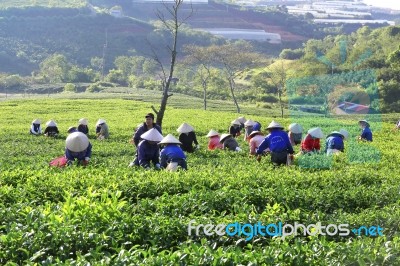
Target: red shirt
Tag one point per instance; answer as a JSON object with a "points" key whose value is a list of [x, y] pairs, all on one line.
{"points": [[213, 143], [310, 144]]}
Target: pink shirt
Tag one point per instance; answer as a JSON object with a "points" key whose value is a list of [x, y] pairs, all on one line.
{"points": [[255, 142], [213, 143]]}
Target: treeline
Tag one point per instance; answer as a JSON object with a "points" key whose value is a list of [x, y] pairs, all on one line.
{"points": [[368, 59]]}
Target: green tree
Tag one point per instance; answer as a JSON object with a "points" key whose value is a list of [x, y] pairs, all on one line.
{"points": [[55, 68]]}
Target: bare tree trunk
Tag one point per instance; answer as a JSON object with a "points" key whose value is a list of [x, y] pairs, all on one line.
{"points": [[280, 102], [205, 94], [232, 87], [174, 29]]}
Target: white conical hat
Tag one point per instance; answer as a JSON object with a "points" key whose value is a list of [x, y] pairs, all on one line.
{"points": [[274, 124], [253, 133], [36, 121], [336, 132], [169, 139], [295, 128], [365, 121], [235, 122], [51, 123], [185, 128], [316, 132], [77, 142], [83, 121], [241, 120], [345, 133], [223, 137], [152, 135], [249, 123], [212, 133], [100, 121]]}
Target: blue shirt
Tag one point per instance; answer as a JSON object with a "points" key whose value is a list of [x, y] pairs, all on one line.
{"points": [[148, 152], [79, 155], [276, 141], [334, 141], [366, 134], [171, 153], [142, 129]]}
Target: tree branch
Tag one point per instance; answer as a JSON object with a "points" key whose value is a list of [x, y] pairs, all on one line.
{"points": [[154, 109]]}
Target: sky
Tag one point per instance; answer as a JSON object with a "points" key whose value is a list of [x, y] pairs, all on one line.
{"points": [[393, 4]]}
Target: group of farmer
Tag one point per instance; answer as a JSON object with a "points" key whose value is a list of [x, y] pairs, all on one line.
{"points": [[279, 143], [169, 152], [77, 145]]}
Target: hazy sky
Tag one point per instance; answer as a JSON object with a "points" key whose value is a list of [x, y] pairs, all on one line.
{"points": [[393, 4]]}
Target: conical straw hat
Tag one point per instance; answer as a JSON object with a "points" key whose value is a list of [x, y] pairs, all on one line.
{"points": [[336, 132], [100, 121], [235, 122], [316, 132], [345, 133], [71, 129], [36, 121], [249, 123], [169, 139], [152, 135], [274, 124], [51, 123], [241, 120], [77, 142], [253, 133], [365, 121], [212, 133], [185, 128], [83, 121], [295, 128], [224, 136]]}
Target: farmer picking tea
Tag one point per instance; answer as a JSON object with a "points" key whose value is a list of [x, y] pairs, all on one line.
{"points": [[279, 144], [172, 155], [187, 137], [77, 146]]}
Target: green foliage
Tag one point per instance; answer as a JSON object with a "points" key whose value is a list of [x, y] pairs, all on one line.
{"points": [[99, 86], [69, 87], [108, 213]]}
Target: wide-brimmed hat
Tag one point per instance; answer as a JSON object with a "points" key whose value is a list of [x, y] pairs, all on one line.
{"points": [[51, 123], [274, 124], [235, 122], [36, 121], [316, 132], [224, 136], [169, 139], [253, 133], [335, 132], [83, 121], [72, 129], [295, 128], [77, 142], [249, 123], [185, 128], [212, 133], [100, 121], [152, 135], [241, 119], [364, 121], [345, 133]]}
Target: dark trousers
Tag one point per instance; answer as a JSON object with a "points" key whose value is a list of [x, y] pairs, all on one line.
{"points": [[279, 158]]}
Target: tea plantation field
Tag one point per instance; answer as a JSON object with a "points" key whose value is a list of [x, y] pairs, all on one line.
{"points": [[109, 214]]}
